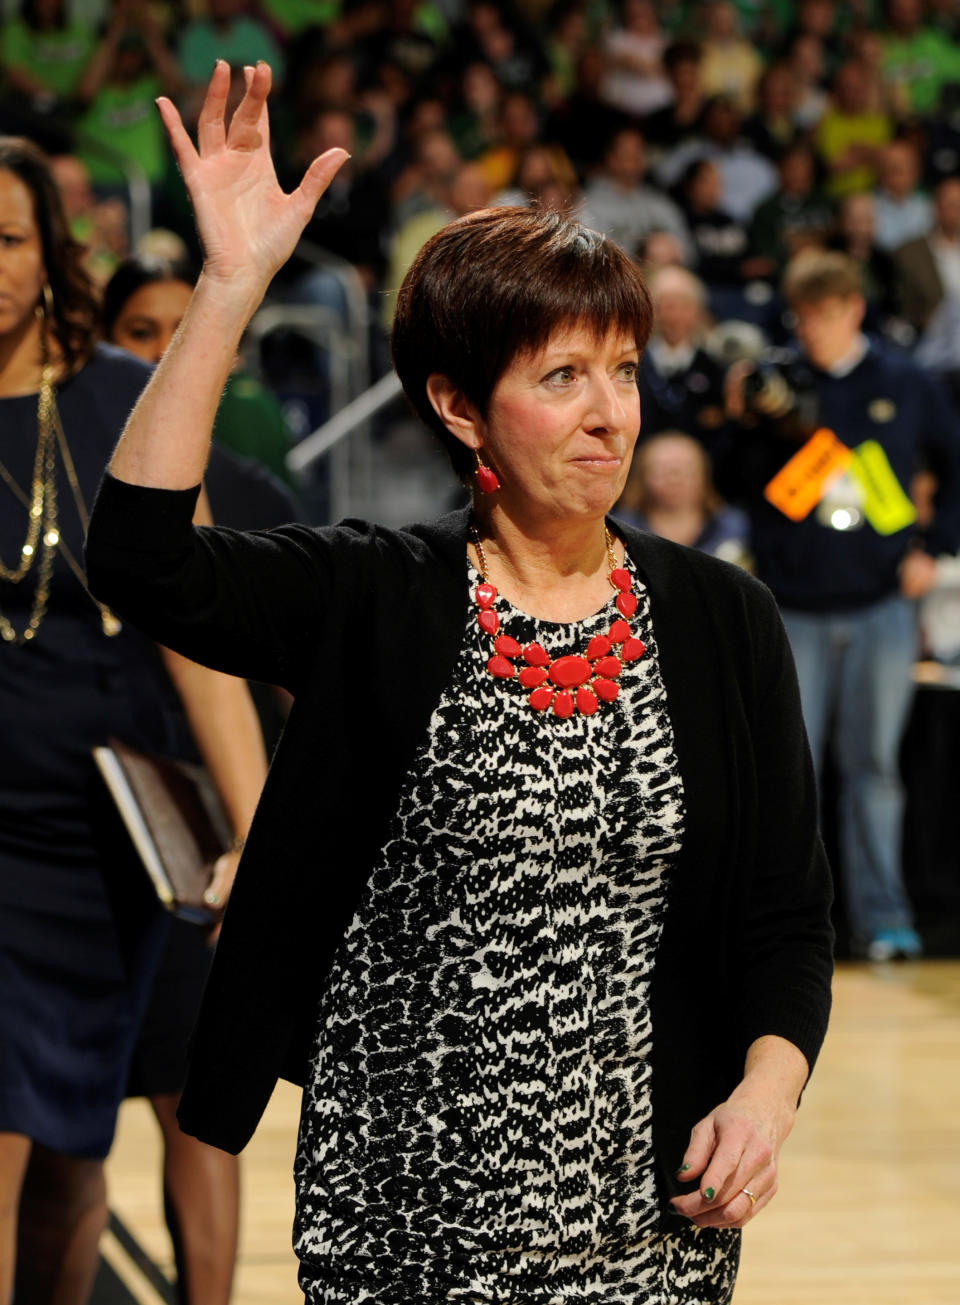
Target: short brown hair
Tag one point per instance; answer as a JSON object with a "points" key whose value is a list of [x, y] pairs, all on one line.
{"points": [[814, 275], [495, 285]]}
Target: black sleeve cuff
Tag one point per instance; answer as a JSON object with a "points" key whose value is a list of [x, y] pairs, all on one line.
{"points": [[140, 519]]}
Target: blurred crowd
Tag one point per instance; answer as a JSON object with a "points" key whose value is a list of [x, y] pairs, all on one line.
{"points": [[719, 136], [715, 140]]}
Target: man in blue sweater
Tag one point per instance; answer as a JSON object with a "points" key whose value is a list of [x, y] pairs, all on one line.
{"points": [[825, 459]]}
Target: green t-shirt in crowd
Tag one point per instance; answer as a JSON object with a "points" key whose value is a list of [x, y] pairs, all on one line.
{"points": [[921, 65], [125, 121], [251, 423], [54, 59], [293, 16], [241, 42]]}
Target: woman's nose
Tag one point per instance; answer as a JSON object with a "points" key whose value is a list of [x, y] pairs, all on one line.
{"points": [[607, 404]]}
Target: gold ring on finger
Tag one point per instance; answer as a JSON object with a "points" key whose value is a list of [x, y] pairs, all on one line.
{"points": [[753, 1200]]}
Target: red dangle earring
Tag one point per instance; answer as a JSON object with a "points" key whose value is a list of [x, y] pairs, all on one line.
{"points": [[487, 480]]}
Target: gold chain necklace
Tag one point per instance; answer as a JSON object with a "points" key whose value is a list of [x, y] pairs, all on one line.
{"points": [[41, 507]]}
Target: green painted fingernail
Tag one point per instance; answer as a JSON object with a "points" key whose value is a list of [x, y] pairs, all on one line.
{"points": [[683, 1169], [708, 1193]]}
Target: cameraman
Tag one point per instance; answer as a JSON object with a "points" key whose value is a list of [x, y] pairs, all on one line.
{"points": [[843, 556]]}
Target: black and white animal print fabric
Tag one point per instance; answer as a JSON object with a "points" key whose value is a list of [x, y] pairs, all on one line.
{"points": [[477, 1127]]}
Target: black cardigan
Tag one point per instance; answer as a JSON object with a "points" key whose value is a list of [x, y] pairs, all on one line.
{"points": [[363, 625]]}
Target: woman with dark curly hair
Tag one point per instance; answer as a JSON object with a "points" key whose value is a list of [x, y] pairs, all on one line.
{"points": [[79, 925]]}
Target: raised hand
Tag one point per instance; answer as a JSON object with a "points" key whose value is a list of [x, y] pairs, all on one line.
{"points": [[248, 226]]}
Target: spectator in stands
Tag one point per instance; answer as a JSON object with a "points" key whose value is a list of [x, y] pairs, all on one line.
{"points": [[518, 127], [409, 34], [847, 570], [660, 249], [772, 127], [865, 46], [475, 119], [538, 182], [821, 20], [424, 183], [44, 51], [719, 241], [918, 58], [517, 130], [941, 146], [634, 79], [585, 122], [670, 492], [568, 36], [681, 386], [731, 65], [100, 226], [927, 269], [903, 211], [807, 62], [468, 190], [330, 81], [850, 136], [321, 80], [856, 237], [748, 178], [489, 36], [143, 305], [795, 215], [290, 18], [120, 126], [351, 215], [225, 31], [618, 203], [677, 121]]}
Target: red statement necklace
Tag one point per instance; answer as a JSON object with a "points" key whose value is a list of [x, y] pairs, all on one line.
{"points": [[573, 682]]}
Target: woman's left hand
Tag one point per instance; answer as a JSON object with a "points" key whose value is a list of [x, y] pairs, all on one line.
{"points": [[218, 890], [734, 1152]]}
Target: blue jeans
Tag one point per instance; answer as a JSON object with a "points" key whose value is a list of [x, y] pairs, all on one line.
{"points": [[855, 682]]}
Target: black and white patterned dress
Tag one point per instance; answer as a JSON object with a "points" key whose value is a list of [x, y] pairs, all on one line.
{"points": [[477, 1126]]}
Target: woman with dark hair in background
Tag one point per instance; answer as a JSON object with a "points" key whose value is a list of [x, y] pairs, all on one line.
{"points": [[79, 926], [143, 304], [534, 904]]}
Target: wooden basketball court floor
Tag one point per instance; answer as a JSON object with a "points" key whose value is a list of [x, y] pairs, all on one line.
{"points": [[869, 1206]]}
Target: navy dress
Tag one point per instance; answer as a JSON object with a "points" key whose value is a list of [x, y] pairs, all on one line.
{"points": [[79, 925]]}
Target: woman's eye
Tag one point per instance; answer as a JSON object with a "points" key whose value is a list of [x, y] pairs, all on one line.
{"points": [[629, 371], [10, 241], [562, 376]]}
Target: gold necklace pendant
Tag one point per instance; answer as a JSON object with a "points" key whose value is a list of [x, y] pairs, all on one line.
{"points": [[41, 507], [43, 533]]}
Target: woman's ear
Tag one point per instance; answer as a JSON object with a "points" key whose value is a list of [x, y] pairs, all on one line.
{"points": [[455, 410]]}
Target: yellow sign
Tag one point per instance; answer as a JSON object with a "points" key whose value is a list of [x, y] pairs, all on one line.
{"points": [[885, 505], [800, 484]]}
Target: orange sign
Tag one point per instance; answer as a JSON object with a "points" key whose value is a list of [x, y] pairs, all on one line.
{"points": [[798, 486]]}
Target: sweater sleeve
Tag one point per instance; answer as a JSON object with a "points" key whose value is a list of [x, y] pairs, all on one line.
{"points": [[249, 603], [786, 954]]}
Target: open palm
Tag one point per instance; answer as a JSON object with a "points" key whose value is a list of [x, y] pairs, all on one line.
{"points": [[247, 225]]}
